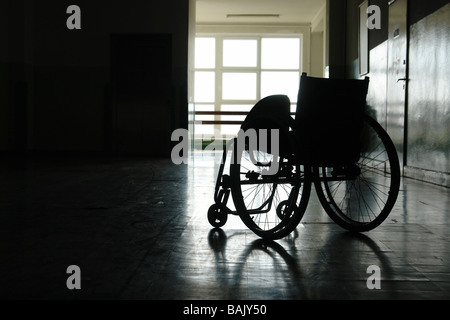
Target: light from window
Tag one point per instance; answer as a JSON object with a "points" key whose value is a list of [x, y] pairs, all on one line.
{"points": [[236, 107], [204, 107], [243, 71], [204, 86], [280, 82], [205, 53], [240, 53], [204, 128], [239, 86], [280, 53], [230, 130]]}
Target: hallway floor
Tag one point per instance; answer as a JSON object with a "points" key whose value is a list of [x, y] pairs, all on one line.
{"points": [[137, 229]]}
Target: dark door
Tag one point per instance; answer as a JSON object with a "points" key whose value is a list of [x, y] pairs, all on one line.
{"points": [[397, 75], [142, 75]]}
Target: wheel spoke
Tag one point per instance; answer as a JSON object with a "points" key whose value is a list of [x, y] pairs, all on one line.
{"points": [[257, 198]]}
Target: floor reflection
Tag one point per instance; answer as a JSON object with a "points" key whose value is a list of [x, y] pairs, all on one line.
{"points": [[138, 229], [282, 271]]}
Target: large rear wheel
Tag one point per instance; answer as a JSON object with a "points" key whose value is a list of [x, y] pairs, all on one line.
{"points": [[359, 197]]}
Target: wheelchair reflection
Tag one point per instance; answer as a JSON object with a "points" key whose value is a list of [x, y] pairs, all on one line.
{"points": [[266, 268]]}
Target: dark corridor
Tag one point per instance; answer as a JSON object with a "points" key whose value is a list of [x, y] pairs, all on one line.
{"points": [[86, 179]]}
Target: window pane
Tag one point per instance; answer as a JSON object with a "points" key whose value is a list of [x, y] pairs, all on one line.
{"points": [[204, 117], [204, 86], [204, 107], [240, 53], [232, 118], [205, 52], [239, 86], [236, 107], [280, 83], [230, 130], [201, 129], [293, 109], [280, 53]]}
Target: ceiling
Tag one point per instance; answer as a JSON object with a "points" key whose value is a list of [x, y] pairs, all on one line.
{"points": [[257, 11]]}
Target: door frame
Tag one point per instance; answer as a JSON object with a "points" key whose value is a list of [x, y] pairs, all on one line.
{"points": [[405, 78]]}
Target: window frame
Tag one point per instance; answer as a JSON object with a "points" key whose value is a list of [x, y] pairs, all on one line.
{"points": [[220, 69]]}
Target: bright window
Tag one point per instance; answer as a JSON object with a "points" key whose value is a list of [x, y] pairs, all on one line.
{"points": [[240, 53], [204, 86], [280, 82], [233, 73], [239, 86], [205, 53], [280, 53]]}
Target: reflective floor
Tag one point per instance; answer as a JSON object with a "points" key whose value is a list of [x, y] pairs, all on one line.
{"points": [[137, 229]]}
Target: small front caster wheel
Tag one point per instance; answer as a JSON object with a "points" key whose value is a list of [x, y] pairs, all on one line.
{"points": [[217, 215], [282, 209]]}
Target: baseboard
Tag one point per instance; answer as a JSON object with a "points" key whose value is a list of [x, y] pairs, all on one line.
{"points": [[434, 177]]}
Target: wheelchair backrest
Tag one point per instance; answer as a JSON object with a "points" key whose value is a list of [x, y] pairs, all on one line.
{"points": [[274, 107], [328, 119], [272, 112]]}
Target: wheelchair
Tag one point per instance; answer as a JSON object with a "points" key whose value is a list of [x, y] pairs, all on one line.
{"points": [[332, 143]]}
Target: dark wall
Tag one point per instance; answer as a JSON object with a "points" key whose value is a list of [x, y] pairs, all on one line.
{"points": [[56, 84], [13, 71], [419, 9]]}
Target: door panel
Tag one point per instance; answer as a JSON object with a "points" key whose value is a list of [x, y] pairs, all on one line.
{"points": [[397, 75]]}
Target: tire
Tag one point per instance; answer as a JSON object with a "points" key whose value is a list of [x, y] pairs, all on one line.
{"points": [[269, 205], [218, 215], [359, 197]]}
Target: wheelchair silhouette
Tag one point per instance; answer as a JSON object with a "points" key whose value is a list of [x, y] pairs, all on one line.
{"points": [[332, 143]]}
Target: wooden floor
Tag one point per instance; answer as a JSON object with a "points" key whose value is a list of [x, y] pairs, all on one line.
{"points": [[137, 229]]}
